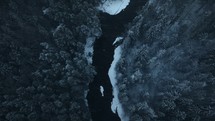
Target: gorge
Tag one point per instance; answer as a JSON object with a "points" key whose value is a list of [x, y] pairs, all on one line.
{"points": [[112, 27]]}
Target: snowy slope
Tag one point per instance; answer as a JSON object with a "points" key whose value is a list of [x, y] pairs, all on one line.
{"points": [[116, 105], [113, 7]]}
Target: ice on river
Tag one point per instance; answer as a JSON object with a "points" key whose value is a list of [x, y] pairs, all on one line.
{"points": [[116, 105], [102, 90]]}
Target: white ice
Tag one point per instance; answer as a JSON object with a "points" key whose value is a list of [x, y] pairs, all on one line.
{"points": [[88, 49], [117, 40], [102, 90], [116, 105], [113, 7]]}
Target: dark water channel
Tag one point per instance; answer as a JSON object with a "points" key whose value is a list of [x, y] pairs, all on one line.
{"points": [[112, 27]]}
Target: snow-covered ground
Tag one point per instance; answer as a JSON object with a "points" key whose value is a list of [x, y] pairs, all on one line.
{"points": [[113, 7], [116, 105], [117, 40], [88, 50]]}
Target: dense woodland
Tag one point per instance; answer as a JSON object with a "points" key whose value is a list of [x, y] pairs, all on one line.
{"points": [[166, 73], [44, 74], [167, 69]]}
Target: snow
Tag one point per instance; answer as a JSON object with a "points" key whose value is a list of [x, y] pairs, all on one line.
{"points": [[45, 11], [112, 75], [113, 7], [151, 2], [116, 105], [58, 28], [85, 95], [102, 90], [88, 49], [117, 40]]}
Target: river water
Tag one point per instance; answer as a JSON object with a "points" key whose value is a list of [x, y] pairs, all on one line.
{"points": [[112, 27]]}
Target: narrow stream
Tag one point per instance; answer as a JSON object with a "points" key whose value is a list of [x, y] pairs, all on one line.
{"points": [[112, 27]]}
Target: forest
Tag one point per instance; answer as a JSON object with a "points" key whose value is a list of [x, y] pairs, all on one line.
{"points": [[43, 70], [166, 71]]}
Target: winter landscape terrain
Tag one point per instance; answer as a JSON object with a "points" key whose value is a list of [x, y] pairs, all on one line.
{"points": [[107, 60]]}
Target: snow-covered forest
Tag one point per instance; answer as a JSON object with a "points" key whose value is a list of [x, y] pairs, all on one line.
{"points": [[167, 68], [162, 68], [44, 72]]}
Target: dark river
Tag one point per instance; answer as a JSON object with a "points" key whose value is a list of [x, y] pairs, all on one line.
{"points": [[112, 27]]}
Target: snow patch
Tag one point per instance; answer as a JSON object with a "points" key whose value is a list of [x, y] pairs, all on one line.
{"points": [[102, 90], [117, 40], [116, 105], [113, 7], [57, 29], [85, 95], [88, 49], [151, 2], [45, 11]]}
